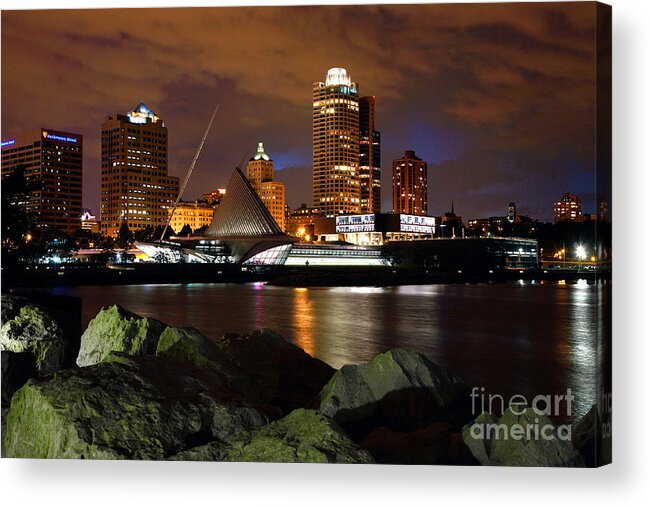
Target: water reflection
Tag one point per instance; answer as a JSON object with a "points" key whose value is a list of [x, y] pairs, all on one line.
{"points": [[303, 314], [509, 338]]}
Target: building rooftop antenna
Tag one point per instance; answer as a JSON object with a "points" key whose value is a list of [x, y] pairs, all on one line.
{"points": [[187, 176]]}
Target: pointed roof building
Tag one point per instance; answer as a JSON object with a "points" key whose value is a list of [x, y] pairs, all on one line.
{"points": [[242, 213], [141, 114]]}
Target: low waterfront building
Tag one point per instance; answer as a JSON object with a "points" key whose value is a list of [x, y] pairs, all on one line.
{"points": [[379, 228], [465, 255], [333, 255]]}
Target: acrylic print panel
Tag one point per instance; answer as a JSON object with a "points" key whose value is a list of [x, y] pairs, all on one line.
{"points": [[305, 241]]}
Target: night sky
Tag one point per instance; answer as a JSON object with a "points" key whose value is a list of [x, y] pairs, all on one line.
{"points": [[498, 98]]}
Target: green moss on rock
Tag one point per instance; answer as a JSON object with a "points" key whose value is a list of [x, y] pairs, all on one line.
{"points": [[145, 408], [189, 345], [115, 329], [399, 389], [33, 330], [520, 439], [304, 436]]}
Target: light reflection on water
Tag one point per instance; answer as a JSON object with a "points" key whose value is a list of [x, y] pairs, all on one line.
{"points": [[509, 338]]}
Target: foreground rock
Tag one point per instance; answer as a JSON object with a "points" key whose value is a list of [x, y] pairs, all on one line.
{"points": [[115, 329], [511, 440], [33, 330], [127, 407], [284, 375], [304, 436], [400, 389], [190, 346]]}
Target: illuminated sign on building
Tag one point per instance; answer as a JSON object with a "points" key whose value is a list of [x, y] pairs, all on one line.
{"points": [[55, 137], [417, 223], [355, 223], [8, 142]]}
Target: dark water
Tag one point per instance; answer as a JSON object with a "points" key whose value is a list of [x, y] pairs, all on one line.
{"points": [[520, 338]]}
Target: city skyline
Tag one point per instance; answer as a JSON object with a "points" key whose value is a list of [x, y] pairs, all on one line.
{"points": [[502, 109]]}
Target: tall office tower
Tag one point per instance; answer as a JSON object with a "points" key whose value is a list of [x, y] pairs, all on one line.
{"points": [[369, 157], [260, 173], [410, 185], [568, 209], [136, 189], [335, 144], [53, 161]]}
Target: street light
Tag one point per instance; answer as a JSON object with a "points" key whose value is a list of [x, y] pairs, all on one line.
{"points": [[580, 254]]}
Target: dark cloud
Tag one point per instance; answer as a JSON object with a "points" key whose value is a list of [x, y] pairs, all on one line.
{"points": [[499, 98]]}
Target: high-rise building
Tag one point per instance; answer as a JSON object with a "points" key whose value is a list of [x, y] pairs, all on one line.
{"points": [[369, 158], [568, 209], [53, 161], [335, 144], [260, 173], [410, 185], [136, 188], [512, 213]]}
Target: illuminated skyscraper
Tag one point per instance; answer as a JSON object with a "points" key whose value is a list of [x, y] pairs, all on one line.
{"points": [[53, 161], [136, 189], [335, 144], [410, 185], [369, 157], [260, 173], [568, 209]]}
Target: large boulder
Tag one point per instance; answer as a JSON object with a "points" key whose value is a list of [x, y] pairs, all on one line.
{"points": [[189, 345], [35, 331], [17, 369], [284, 375], [303, 436], [126, 407], [400, 389], [522, 438], [115, 329]]}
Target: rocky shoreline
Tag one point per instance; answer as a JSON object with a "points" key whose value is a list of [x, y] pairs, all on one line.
{"points": [[131, 387]]}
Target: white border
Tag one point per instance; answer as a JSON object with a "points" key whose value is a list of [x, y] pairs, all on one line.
{"points": [[26, 482]]}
